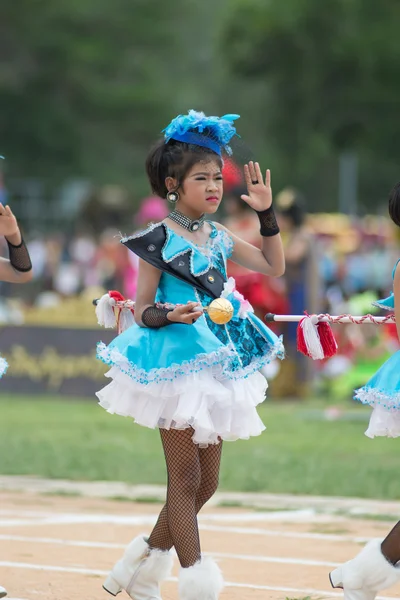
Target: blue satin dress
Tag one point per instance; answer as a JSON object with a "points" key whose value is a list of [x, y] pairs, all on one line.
{"points": [[205, 376]]}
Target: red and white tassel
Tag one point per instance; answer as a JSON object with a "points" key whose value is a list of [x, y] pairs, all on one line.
{"points": [[315, 339], [110, 313], [125, 319], [105, 311], [308, 341], [327, 339]]}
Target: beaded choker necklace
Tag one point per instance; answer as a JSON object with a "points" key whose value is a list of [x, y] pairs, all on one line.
{"points": [[185, 222]]}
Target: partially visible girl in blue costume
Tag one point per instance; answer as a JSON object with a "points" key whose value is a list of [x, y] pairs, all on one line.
{"points": [[175, 369], [377, 566], [382, 392], [16, 269]]}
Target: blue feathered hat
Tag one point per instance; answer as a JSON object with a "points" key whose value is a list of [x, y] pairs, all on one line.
{"points": [[209, 132]]}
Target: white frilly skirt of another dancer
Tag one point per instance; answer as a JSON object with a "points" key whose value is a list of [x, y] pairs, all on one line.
{"points": [[3, 366], [382, 393]]}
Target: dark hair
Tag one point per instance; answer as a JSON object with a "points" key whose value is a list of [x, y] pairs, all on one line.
{"points": [[174, 159], [394, 204]]}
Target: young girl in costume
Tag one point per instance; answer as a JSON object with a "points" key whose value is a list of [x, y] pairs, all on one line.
{"points": [[16, 269], [375, 567], [176, 369]]}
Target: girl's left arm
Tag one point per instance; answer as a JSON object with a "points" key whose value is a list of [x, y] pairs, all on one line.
{"points": [[18, 269], [270, 259]]}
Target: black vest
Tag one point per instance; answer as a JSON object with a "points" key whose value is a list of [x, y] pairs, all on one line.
{"points": [[149, 247]]}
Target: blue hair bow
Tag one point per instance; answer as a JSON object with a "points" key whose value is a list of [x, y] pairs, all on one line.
{"points": [[196, 128]]}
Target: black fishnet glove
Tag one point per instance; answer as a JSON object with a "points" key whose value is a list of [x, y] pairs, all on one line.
{"points": [[19, 257], [155, 317], [268, 222]]}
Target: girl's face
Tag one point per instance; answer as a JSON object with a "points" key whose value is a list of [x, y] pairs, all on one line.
{"points": [[201, 190]]}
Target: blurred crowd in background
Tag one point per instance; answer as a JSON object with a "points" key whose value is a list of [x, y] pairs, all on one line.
{"points": [[334, 263]]}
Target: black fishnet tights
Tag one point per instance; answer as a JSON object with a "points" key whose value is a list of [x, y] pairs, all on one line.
{"points": [[391, 545], [192, 479]]}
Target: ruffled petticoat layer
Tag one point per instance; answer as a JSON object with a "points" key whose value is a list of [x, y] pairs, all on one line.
{"points": [[3, 366], [201, 394], [385, 417], [382, 393]]}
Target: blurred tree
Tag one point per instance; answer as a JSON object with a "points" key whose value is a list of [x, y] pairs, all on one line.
{"points": [[325, 80], [86, 84]]}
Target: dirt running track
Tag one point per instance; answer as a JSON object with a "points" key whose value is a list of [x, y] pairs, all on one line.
{"points": [[61, 548]]}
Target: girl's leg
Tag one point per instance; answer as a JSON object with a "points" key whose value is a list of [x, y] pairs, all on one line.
{"points": [[373, 569], [391, 545], [177, 523], [210, 460]]}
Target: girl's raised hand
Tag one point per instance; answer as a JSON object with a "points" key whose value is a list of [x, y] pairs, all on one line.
{"points": [[8, 223], [185, 313], [259, 193]]}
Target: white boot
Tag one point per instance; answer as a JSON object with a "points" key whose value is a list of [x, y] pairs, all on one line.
{"points": [[140, 571], [203, 581], [365, 575], [3, 592]]}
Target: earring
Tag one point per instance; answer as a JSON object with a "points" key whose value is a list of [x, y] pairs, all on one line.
{"points": [[173, 197]]}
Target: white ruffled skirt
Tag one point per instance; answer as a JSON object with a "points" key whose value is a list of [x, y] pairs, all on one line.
{"points": [[383, 423], [382, 393], [217, 408]]}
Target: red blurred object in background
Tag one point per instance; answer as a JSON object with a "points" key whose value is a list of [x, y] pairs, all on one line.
{"points": [[232, 174]]}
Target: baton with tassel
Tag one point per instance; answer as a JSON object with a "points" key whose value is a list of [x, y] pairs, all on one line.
{"points": [[113, 309], [314, 334]]}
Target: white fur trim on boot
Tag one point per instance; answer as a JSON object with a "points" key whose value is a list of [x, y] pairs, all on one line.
{"points": [[203, 581], [122, 572], [145, 584], [139, 571], [369, 573]]}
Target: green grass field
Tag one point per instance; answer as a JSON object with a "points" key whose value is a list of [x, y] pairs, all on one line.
{"points": [[301, 452]]}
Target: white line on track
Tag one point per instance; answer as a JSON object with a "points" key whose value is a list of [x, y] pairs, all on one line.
{"points": [[82, 571], [303, 515], [287, 534], [244, 557], [42, 518]]}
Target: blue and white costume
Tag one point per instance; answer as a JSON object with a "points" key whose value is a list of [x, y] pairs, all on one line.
{"points": [[382, 391], [205, 376], [3, 366]]}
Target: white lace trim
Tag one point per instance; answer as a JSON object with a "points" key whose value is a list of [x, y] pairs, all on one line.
{"points": [[220, 360], [208, 251], [379, 304], [142, 233], [112, 356], [373, 396], [227, 241]]}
